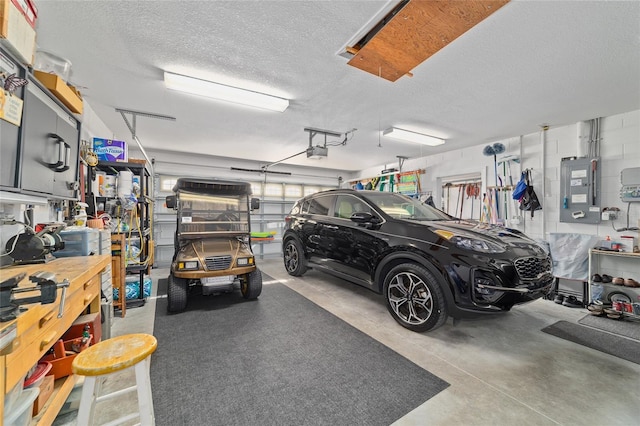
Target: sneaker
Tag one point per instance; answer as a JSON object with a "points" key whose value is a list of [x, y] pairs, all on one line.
{"points": [[618, 281], [606, 278], [572, 302], [596, 309], [596, 278], [559, 299]]}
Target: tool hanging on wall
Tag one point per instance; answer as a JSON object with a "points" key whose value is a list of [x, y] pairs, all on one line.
{"points": [[495, 149], [462, 193]]}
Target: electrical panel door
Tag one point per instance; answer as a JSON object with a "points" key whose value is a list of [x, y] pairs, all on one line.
{"points": [[580, 190]]}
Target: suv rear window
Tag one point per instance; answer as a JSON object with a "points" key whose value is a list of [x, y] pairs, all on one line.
{"points": [[320, 205]]}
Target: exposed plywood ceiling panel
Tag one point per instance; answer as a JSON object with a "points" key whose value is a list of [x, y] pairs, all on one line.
{"points": [[416, 32]]}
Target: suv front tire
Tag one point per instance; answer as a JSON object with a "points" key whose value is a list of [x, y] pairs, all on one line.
{"points": [[414, 297]]}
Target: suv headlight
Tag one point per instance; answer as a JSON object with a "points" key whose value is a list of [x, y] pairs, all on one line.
{"points": [[189, 265], [244, 261], [471, 243]]}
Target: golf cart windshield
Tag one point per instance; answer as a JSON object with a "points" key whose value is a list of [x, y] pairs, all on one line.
{"points": [[202, 215]]}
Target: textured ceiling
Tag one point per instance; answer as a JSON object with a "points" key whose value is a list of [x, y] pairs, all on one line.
{"points": [[552, 62]]}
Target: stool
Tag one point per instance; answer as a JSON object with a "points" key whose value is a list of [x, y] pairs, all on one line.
{"points": [[111, 356]]}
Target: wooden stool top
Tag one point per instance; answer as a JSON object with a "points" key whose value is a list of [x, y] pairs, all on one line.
{"points": [[114, 354]]}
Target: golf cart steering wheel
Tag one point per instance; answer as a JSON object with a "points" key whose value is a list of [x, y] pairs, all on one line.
{"points": [[228, 217]]}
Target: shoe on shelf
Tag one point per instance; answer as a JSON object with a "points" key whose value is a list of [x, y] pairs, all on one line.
{"points": [[559, 299], [572, 302], [596, 309], [596, 278], [618, 281], [612, 313], [606, 278], [630, 282]]}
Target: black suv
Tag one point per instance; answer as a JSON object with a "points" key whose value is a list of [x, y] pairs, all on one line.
{"points": [[428, 265]]}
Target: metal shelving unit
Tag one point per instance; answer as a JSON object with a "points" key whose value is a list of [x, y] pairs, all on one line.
{"points": [[616, 264], [142, 234]]}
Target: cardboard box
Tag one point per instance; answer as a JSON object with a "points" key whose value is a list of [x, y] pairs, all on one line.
{"points": [[28, 10], [16, 31], [110, 150], [46, 389], [61, 90]]}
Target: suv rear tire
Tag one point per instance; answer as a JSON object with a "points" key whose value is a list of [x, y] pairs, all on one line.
{"points": [[177, 294], [414, 297], [294, 260], [251, 285]]}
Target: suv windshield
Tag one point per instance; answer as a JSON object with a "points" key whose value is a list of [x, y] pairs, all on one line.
{"points": [[402, 207], [212, 214]]}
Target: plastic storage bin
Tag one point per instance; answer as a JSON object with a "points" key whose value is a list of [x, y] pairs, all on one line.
{"points": [[21, 412], [36, 377], [52, 64], [79, 241], [12, 396]]}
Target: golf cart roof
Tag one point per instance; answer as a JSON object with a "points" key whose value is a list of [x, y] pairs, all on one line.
{"points": [[212, 186]]}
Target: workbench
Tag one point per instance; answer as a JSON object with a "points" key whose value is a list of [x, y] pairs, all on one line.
{"points": [[39, 327]]}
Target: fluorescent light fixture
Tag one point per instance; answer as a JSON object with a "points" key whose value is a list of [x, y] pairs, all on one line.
{"points": [[223, 92], [406, 135]]}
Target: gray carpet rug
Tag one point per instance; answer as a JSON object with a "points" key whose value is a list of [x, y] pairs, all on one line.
{"points": [[278, 360], [595, 339], [626, 328]]}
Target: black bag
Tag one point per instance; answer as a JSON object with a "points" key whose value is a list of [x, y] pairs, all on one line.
{"points": [[529, 200]]}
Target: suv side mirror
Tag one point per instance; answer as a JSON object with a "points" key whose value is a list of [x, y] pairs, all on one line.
{"points": [[255, 203], [171, 202], [365, 218]]}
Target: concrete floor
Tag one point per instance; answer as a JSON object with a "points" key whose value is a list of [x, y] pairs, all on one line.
{"points": [[502, 369]]}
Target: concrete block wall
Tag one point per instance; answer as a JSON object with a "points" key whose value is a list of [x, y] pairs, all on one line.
{"points": [[619, 149]]}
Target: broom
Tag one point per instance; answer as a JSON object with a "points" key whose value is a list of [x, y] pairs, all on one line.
{"points": [[495, 149]]}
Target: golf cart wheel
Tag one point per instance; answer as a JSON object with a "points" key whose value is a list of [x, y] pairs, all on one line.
{"points": [[177, 294], [294, 260], [414, 298], [251, 285]]}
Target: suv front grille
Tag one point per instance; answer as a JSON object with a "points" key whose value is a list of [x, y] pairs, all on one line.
{"points": [[217, 263], [532, 267]]}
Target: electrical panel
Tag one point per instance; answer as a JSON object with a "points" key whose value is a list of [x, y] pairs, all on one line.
{"points": [[580, 190], [630, 189]]}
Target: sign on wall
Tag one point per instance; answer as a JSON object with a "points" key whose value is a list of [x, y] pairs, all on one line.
{"points": [[10, 107]]}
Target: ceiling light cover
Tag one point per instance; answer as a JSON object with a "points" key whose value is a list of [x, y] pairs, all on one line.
{"points": [[223, 92], [406, 135]]}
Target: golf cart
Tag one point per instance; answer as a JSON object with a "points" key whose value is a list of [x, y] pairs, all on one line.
{"points": [[212, 241]]}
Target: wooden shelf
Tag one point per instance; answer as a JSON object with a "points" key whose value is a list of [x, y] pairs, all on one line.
{"points": [[615, 253], [118, 271]]}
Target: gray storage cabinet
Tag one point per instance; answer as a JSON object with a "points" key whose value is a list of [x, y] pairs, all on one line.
{"points": [[9, 132], [42, 119]]}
